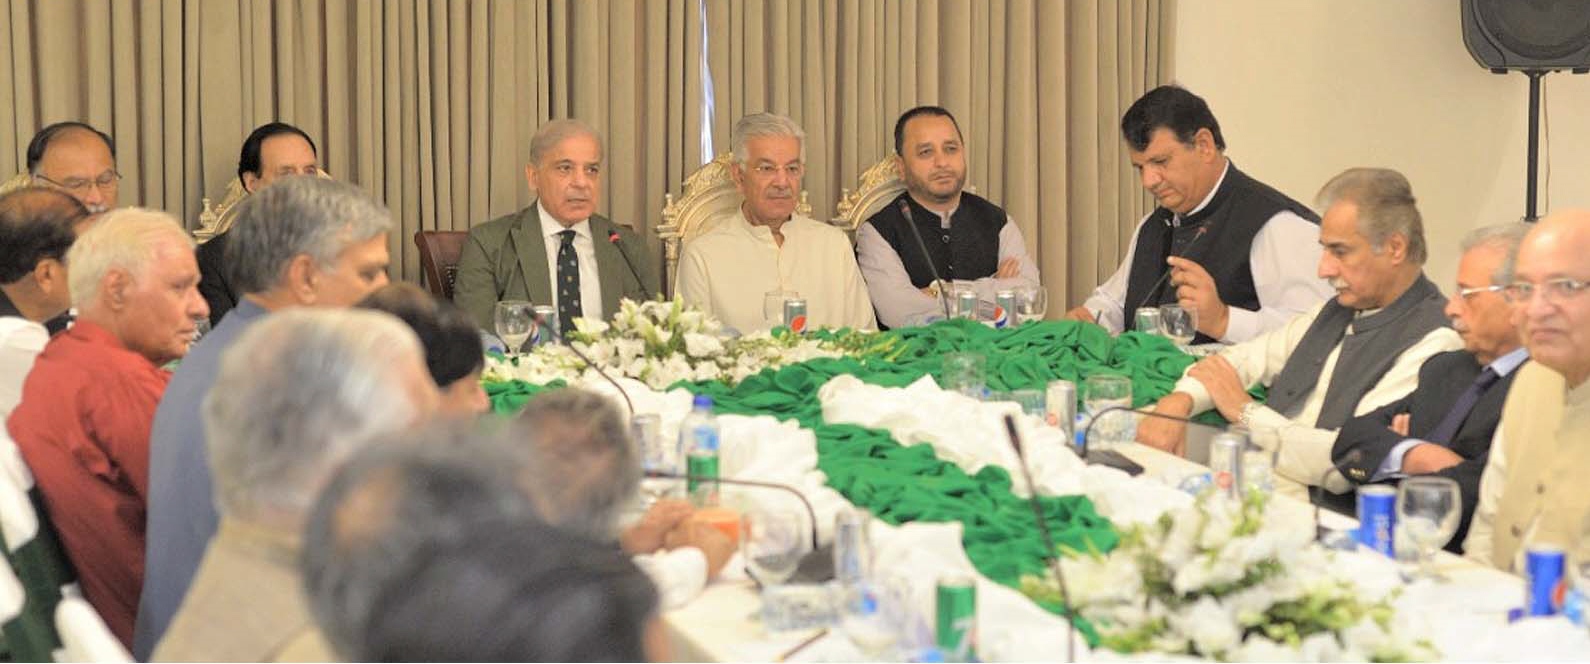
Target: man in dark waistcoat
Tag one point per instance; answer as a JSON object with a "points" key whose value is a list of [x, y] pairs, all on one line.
{"points": [[1344, 357], [971, 242], [1236, 250]]}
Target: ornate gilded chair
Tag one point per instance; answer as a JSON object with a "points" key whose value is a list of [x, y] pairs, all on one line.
{"points": [[708, 197], [16, 182], [216, 219]]}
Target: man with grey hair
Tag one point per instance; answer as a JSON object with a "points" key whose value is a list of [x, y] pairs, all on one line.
{"points": [[1444, 427], [295, 396], [301, 241], [83, 422], [1344, 357], [767, 250], [557, 251]]}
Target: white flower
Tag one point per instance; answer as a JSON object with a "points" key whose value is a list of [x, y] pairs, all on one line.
{"points": [[1209, 625], [591, 326], [1261, 649], [1100, 581], [701, 345]]}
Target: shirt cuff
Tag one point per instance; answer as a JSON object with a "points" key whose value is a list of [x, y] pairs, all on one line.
{"points": [[1241, 325], [1391, 468]]}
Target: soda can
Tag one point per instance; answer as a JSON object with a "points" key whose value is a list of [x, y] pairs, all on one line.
{"points": [[1225, 461], [1377, 518], [1544, 585], [966, 304], [1060, 406], [956, 612], [795, 315], [852, 545], [1004, 307], [547, 329], [1147, 320]]}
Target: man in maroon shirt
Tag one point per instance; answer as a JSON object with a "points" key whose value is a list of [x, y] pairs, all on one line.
{"points": [[83, 422]]}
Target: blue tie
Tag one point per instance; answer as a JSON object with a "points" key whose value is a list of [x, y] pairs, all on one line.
{"points": [[568, 282], [1443, 432]]}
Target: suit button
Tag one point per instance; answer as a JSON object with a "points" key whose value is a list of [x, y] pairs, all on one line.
{"points": [[1516, 531], [1540, 488], [945, 238]]}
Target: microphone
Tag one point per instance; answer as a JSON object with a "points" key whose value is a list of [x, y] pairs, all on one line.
{"points": [[1053, 556], [910, 223], [810, 512], [613, 237], [1318, 489], [541, 321], [1115, 459], [1153, 292]]}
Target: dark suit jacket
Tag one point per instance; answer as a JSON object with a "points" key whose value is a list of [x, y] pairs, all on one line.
{"points": [[217, 292], [506, 259], [1443, 378]]}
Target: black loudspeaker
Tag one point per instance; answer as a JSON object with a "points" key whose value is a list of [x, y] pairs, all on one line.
{"points": [[1539, 35]]}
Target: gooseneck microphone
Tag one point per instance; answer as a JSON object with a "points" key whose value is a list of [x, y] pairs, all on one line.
{"points": [[810, 512], [1053, 556], [910, 223], [1153, 293], [1115, 459], [541, 321], [618, 242]]}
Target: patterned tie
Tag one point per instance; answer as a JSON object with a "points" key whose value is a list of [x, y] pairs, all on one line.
{"points": [[568, 282], [1443, 433]]}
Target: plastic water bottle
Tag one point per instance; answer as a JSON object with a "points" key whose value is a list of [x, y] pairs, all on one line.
{"points": [[698, 443]]}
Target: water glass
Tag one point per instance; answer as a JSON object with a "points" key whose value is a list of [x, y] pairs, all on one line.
{"points": [[515, 322], [1032, 402], [1180, 324], [964, 373], [1102, 391], [646, 430], [772, 543], [1258, 469], [773, 306], [1147, 321], [1032, 302], [1427, 514]]}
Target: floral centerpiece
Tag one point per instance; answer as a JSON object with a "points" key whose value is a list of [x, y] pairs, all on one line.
{"points": [[661, 342], [1220, 580]]}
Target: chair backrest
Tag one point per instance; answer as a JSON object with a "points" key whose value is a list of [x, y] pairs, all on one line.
{"points": [[879, 184], [16, 182], [439, 252], [708, 196], [216, 219]]}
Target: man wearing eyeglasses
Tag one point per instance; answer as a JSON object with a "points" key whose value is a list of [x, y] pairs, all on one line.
{"points": [[1532, 491], [78, 159], [1444, 427], [733, 269]]}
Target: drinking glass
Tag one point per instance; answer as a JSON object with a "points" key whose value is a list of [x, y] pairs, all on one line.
{"points": [[646, 429], [865, 617], [773, 306], [1032, 302], [1032, 402], [1180, 324], [772, 543], [1101, 391], [515, 322], [963, 372], [1148, 321], [1427, 513]]}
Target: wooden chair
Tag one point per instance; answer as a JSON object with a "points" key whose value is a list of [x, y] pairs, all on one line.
{"points": [[439, 252], [708, 197], [16, 182]]}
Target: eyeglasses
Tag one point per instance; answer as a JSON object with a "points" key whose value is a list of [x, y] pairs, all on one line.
{"points": [[1466, 293], [1553, 291], [766, 171], [105, 182]]}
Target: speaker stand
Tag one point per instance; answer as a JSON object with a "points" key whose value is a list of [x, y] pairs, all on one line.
{"points": [[1532, 159]]}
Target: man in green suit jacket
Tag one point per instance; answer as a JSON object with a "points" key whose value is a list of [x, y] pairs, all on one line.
{"points": [[557, 251]]}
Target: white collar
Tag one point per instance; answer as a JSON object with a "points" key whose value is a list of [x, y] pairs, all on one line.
{"points": [[550, 227]]}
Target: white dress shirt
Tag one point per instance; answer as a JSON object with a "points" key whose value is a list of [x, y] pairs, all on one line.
{"points": [[899, 303], [21, 340], [728, 270], [679, 574], [585, 250], [1303, 451], [1392, 466], [1284, 260]]}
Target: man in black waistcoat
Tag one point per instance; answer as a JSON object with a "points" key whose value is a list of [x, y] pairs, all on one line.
{"points": [[1445, 426], [972, 242], [1342, 358], [1237, 250]]}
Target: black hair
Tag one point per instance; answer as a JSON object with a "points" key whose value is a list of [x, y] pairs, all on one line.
{"points": [[248, 159], [899, 125], [35, 223], [453, 349], [41, 141], [1172, 107]]}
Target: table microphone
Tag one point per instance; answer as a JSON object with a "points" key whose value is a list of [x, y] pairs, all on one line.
{"points": [[613, 237], [542, 322], [910, 223], [1115, 459], [810, 512], [1053, 556], [1152, 292]]}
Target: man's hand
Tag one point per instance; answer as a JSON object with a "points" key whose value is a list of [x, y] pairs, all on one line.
{"points": [[1196, 291], [1225, 387], [1081, 314], [1163, 434], [1009, 268], [716, 546], [650, 533], [1426, 458], [1399, 424]]}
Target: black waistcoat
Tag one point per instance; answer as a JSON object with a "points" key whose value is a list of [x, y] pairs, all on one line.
{"points": [[968, 249], [1239, 208]]}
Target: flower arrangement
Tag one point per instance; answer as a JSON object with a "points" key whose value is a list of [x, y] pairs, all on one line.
{"points": [[1220, 580], [661, 342]]}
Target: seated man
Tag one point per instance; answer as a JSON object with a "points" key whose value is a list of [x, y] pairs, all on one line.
{"points": [[296, 395], [558, 251], [453, 351], [83, 423], [766, 247], [1250, 275], [79, 160], [970, 241], [581, 470], [1532, 491], [272, 151], [1444, 426], [37, 226], [1346, 356]]}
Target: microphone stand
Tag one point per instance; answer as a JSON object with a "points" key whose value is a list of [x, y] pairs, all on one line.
{"points": [[542, 321], [1152, 292], [1053, 556], [618, 243], [1112, 458], [910, 223]]}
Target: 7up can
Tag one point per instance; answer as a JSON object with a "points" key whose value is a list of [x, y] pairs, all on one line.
{"points": [[956, 624], [1004, 307], [795, 315]]}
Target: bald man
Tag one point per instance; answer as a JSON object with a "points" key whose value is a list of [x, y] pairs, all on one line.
{"points": [[79, 160]]}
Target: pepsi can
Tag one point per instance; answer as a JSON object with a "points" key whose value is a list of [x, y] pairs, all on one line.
{"points": [[966, 304], [1377, 518], [1004, 307], [795, 315], [1543, 580], [547, 330]]}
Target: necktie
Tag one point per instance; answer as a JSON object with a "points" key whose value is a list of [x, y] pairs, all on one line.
{"points": [[1443, 432], [568, 282]]}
